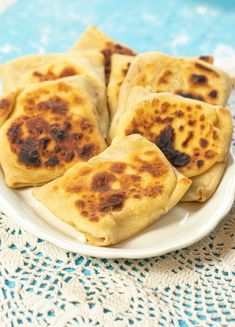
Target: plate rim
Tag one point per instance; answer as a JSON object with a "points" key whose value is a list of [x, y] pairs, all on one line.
{"points": [[114, 253]]}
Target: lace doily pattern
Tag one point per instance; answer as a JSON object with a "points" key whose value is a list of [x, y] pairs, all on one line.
{"points": [[43, 285]]}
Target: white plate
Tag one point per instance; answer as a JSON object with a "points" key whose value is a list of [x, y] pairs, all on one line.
{"points": [[184, 225]]}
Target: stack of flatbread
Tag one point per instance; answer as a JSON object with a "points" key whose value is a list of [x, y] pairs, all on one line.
{"points": [[115, 138]]}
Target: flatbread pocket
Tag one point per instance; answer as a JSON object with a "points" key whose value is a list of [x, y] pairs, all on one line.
{"points": [[194, 136], [116, 194], [21, 72], [53, 126]]}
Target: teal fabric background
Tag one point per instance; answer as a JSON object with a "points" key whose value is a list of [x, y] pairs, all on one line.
{"points": [[182, 27]]}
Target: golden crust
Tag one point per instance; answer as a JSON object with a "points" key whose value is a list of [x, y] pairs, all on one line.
{"points": [[117, 193]]}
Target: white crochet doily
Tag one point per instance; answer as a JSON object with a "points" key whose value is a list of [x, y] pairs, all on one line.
{"points": [[43, 285]]}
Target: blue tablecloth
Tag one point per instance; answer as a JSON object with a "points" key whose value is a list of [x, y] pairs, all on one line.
{"points": [[183, 27]]}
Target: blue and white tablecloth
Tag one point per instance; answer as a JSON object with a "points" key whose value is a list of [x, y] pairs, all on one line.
{"points": [[43, 285]]}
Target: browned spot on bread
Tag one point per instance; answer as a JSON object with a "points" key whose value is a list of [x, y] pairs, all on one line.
{"points": [[69, 156], [14, 133], [165, 142], [149, 153], [125, 70], [78, 100], [118, 167], [202, 117], [215, 135], [52, 161], [80, 203], [206, 69], [134, 178], [181, 128], [29, 157], [5, 104], [48, 76], [55, 104], [155, 102], [196, 152], [165, 120], [200, 163], [153, 191], [155, 168], [112, 202], [100, 182], [109, 49], [213, 94], [203, 143], [51, 76], [198, 79], [63, 87], [84, 171], [68, 71], [209, 154], [87, 151], [165, 106], [164, 79], [190, 95], [188, 138], [43, 143], [134, 131], [85, 213], [208, 59], [191, 122], [85, 124], [179, 113]]}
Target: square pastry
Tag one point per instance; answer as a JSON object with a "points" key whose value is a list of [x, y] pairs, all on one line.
{"points": [[116, 194]]}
